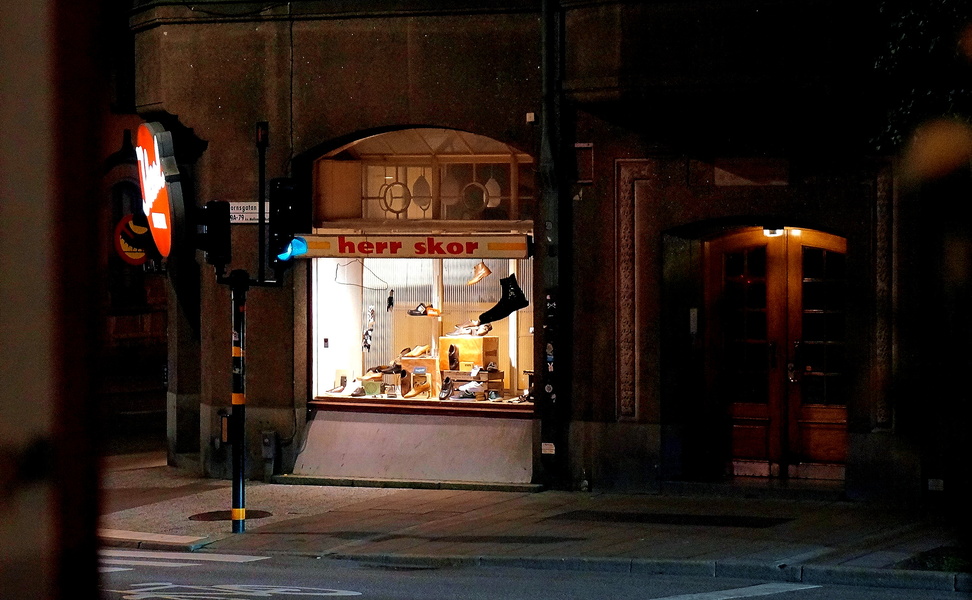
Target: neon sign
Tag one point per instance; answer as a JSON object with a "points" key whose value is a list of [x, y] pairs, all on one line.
{"points": [[159, 179]]}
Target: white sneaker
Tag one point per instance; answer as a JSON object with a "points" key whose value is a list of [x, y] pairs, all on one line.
{"points": [[473, 386]]}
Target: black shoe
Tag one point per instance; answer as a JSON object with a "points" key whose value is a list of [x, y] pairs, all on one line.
{"points": [[453, 358], [511, 300]]}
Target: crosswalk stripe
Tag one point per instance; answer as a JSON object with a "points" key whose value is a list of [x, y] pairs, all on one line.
{"points": [[766, 589], [147, 563], [151, 554]]}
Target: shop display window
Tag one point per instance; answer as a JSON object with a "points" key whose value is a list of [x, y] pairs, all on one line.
{"points": [[393, 319], [373, 317]]}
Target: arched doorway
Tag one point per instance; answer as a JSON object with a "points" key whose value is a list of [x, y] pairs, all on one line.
{"points": [[775, 360]]}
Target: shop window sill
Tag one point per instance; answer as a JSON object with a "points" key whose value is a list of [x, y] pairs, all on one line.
{"points": [[453, 407]]}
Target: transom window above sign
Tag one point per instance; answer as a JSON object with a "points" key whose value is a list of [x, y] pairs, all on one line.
{"points": [[424, 174]]}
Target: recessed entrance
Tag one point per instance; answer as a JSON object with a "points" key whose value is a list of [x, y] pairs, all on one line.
{"points": [[775, 360]]}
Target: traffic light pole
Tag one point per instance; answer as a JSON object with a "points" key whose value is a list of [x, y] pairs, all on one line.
{"points": [[216, 241], [239, 284]]}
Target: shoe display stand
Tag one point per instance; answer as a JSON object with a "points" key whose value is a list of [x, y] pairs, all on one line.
{"points": [[476, 349], [494, 381], [431, 366]]}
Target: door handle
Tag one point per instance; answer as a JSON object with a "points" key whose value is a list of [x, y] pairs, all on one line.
{"points": [[791, 368]]}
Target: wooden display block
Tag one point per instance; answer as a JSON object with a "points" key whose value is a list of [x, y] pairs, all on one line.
{"points": [[431, 371], [493, 381], [477, 349]]}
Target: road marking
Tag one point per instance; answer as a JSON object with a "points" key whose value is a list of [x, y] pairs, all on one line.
{"points": [[147, 563], [112, 569], [173, 591], [766, 589], [150, 554]]}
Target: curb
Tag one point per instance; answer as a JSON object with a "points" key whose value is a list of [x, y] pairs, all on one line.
{"points": [[811, 574], [116, 538], [419, 484]]}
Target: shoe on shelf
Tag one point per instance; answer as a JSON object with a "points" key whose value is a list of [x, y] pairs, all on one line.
{"points": [[473, 386], [491, 368], [422, 388], [373, 374], [340, 387], [493, 396], [467, 395], [417, 351], [480, 272], [419, 311], [392, 369], [470, 330], [453, 358], [357, 393], [447, 385]]}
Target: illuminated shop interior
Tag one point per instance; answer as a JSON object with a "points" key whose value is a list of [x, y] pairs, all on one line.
{"points": [[372, 313]]}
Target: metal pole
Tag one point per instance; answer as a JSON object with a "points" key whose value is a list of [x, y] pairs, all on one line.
{"points": [[239, 284], [262, 141]]}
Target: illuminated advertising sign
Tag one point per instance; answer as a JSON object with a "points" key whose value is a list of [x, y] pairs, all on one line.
{"points": [[417, 246], [159, 178]]}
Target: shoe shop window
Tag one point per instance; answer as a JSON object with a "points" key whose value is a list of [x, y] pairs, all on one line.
{"points": [[454, 331]]}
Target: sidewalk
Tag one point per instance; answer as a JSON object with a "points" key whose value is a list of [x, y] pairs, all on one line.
{"points": [[149, 505]]}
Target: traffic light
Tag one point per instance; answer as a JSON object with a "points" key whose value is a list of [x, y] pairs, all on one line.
{"points": [[283, 223], [213, 233]]}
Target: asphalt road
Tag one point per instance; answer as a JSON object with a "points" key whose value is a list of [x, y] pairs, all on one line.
{"points": [[148, 575]]}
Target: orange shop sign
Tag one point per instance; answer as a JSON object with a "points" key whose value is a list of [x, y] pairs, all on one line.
{"points": [[418, 246]]}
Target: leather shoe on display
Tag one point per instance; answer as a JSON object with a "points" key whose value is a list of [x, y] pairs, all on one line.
{"points": [[493, 396], [511, 300], [480, 271], [340, 387], [467, 395], [422, 388], [453, 358], [358, 392], [419, 311], [446, 391], [372, 374], [418, 351]]}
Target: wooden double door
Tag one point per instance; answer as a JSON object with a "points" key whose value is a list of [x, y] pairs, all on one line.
{"points": [[776, 322]]}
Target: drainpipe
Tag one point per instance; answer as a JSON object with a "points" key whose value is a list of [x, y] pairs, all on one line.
{"points": [[552, 357]]}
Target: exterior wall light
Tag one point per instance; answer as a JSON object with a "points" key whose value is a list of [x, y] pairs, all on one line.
{"points": [[772, 231]]}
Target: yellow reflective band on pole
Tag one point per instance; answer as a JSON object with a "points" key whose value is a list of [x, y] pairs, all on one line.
{"points": [[237, 351], [239, 398], [239, 514]]}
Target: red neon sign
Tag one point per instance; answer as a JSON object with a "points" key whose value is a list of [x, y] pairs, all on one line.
{"points": [[158, 176]]}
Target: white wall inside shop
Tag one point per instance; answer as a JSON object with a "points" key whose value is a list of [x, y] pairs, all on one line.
{"points": [[337, 321]]}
